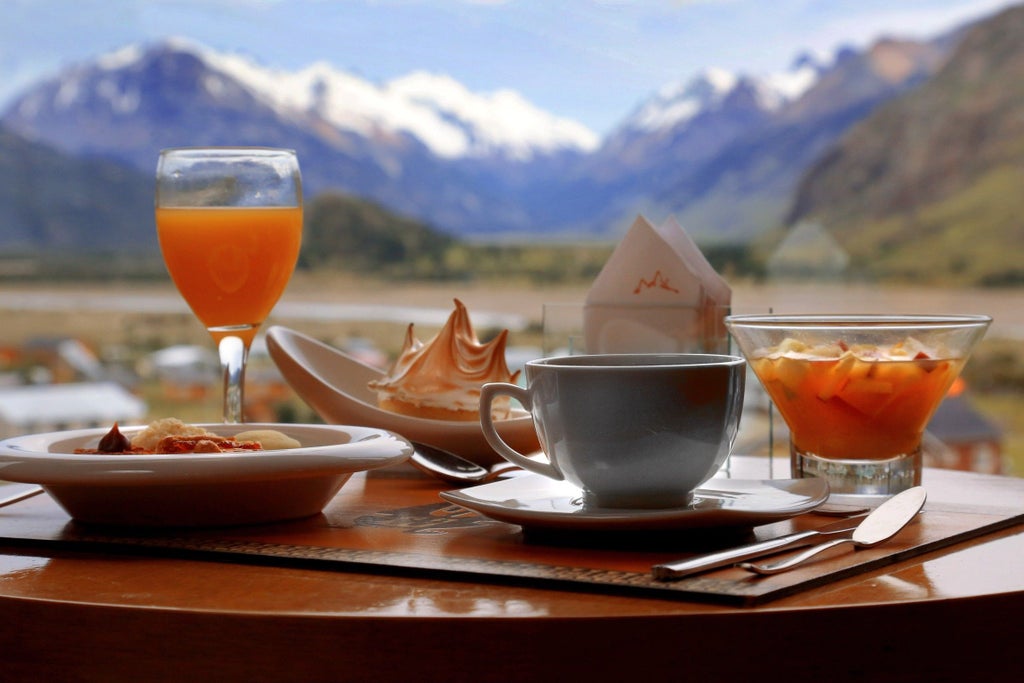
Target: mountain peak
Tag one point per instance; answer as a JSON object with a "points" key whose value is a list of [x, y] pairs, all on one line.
{"points": [[790, 85], [441, 113], [810, 59], [712, 89], [502, 120], [677, 103]]}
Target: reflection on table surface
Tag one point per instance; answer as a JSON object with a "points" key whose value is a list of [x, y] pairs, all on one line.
{"points": [[256, 621]]}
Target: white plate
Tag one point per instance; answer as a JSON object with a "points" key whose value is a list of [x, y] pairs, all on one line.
{"points": [[335, 385], [534, 501], [199, 490]]}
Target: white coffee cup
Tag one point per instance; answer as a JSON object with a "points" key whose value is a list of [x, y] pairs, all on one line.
{"points": [[630, 430]]}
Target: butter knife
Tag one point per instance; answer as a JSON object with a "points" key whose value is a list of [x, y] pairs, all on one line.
{"points": [[677, 569]]}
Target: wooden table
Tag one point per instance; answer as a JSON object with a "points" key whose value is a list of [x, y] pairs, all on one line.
{"points": [[70, 614]]}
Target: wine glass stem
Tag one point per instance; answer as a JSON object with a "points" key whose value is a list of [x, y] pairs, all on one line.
{"points": [[233, 353]]}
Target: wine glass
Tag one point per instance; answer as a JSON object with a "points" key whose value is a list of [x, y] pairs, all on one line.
{"points": [[229, 222]]}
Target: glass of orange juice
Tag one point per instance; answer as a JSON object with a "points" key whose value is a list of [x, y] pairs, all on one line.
{"points": [[857, 391], [229, 221]]}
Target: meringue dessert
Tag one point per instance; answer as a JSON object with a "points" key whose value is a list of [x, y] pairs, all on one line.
{"points": [[441, 379]]}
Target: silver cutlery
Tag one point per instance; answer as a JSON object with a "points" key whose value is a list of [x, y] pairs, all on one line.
{"points": [[881, 525], [668, 571], [455, 469]]}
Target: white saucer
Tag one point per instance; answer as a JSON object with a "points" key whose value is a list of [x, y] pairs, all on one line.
{"points": [[534, 501], [199, 490]]}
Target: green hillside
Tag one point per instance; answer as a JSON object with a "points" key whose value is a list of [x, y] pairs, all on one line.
{"points": [[929, 188], [975, 236], [53, 202]]}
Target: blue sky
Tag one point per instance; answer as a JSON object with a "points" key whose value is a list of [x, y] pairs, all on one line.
{"points": [[590, 60]]}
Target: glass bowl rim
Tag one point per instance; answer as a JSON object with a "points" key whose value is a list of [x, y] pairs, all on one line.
{"points": [[218, 151], [852, 321]]}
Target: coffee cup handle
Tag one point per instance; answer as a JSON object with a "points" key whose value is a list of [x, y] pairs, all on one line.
{"points": [[488, 393]]}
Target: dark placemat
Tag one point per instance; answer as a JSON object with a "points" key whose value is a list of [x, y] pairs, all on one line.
{"points": [[399, 526]]}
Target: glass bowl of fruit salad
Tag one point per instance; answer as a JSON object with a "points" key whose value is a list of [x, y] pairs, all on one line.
{"points": [[857, 391]]}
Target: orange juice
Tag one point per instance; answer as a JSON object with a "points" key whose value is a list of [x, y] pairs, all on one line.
{"points": [[862, 403], [230, 264]]}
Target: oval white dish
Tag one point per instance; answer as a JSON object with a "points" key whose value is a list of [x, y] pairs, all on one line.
{"points": [[199, 489], [335, 385]]}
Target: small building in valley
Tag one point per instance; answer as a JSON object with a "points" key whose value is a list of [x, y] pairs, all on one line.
{"points": [[34, 408]]}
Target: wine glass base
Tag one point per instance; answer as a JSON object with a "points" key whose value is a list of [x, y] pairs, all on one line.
{"points": [[860, 482]]}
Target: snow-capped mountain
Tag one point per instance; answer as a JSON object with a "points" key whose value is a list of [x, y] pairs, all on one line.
{"points": [[684, 126], [423, 145], [718, 96], [451, 120], [439, 112], [722, 150], [677, 104]]}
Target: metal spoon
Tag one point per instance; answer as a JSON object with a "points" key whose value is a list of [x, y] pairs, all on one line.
{"points": [[455, 469], [881, 525]]}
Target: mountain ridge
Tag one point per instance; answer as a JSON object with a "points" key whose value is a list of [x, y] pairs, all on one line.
{"points": [[486, 169], [932, 177], [52, 202], [725, 152]]}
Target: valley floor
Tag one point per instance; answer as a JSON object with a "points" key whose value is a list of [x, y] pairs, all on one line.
{"points": [[125, 320]]}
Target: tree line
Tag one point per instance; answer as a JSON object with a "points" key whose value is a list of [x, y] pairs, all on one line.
{"points": [[352, 235]]}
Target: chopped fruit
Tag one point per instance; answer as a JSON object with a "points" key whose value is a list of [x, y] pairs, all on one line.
{"points": [[868, 396], [848, 369], [791, 346], [860, 401], [791, 372]]}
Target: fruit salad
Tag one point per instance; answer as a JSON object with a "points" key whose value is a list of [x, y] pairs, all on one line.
{"points": [[856, 401]]}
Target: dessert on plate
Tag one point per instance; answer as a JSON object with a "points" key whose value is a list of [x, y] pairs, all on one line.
{"points": [[441, 379]]}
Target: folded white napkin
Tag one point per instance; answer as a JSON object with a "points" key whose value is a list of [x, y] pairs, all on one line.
{"points": [[657, 293]]}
